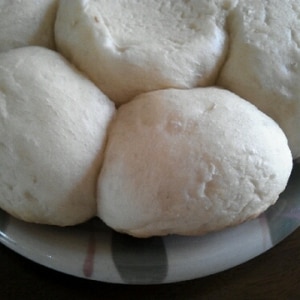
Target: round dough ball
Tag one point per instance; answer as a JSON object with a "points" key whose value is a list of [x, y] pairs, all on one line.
{"points": [[27, 22], [190, 162], [130, 47], [263, 64], [53, 124]]}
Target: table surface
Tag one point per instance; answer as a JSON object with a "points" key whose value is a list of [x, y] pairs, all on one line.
{"points": [[272, 275]]}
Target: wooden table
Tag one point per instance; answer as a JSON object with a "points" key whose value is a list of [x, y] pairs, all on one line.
{"points": [[273, 275]]}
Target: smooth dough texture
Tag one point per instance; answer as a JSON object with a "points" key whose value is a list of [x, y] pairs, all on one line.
{"points": [[263, 63], [53, 126], [190, 162], [27, 22], [130, 47]]}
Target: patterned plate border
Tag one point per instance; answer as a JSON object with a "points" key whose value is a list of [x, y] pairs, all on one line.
{"points": [[93, 251]]}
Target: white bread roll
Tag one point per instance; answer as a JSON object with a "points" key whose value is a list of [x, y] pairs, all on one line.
{"points": [[53, 128], [263, 65], [27, 22], [190, 162], [129, 47]]}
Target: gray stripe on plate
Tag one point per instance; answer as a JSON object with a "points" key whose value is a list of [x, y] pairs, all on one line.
{"points": [[139, 261], [4, 218]]}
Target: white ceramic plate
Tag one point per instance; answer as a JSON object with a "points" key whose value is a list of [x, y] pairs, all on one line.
{"points": [[94, 251]]}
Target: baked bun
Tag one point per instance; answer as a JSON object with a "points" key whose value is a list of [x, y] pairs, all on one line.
{"points": [[25, 23], [189, 162], [263, 62], [53, 128], [130, 47]]}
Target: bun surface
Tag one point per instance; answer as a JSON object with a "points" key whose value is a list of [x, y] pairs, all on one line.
{"points": [[263, 61], [190, 162], [52, 134], [130, 47], [27, 23]]}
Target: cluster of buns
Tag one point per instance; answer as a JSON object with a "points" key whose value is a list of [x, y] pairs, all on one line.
{"points": [[159, 117]]}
